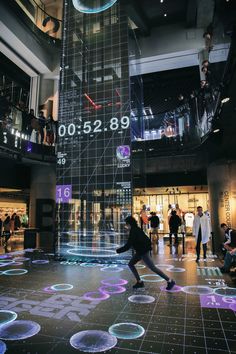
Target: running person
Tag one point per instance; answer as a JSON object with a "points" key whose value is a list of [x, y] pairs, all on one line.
{"points": [[140, 242]]}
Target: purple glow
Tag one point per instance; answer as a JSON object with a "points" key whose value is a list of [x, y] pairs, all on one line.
{"points": [[4, 256], [175, 289], [218, 301], [18, 330], [114, 282], [63, 193], [16, 263], [40, 261], [95, 295], [112, 289], [49, 290], [233, 307]]}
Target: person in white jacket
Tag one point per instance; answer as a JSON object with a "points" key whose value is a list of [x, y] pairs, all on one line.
{"points": [[201, 231]]}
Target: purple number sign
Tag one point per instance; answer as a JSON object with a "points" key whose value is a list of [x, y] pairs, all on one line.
{"points": [[63, 193]]}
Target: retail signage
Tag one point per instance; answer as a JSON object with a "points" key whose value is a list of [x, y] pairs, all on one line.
{"points": [[63, 193]]}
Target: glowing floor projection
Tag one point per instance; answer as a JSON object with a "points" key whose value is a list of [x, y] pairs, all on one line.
{"points": [[40, 261], [15, 272], [126, 330], [19, 330], [141, 299], [89, 310], [3, 347], [7, 317], [93, 341]]}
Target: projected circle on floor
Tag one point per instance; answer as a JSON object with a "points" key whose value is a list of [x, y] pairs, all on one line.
{"points": [[151, 278], [91, 245], [93, 252], [20, 259], [61, 287], [140, 266], [114, 289], [96, 295], [225, 291], [175, 289], [197, 290], [126, 330], [4, 256], [141, 299], [114, 281], [92, 6], [89, 265], [93, 341], [112, 269], [165, 266], [15, 272], [49, 290], [176, 270], [7, 317], [19, 330], [3, 347], [40, 261], [16, 264], [7, 260]]}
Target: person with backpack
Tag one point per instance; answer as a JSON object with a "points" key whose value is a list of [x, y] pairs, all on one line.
{"points": [[141, 244]]}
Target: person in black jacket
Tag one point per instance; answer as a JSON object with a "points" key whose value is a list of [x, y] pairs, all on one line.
{"points": [[141, 244], [174, 224]]}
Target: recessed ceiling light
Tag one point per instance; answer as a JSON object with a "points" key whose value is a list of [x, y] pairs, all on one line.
{"points": [[216, 130], [165, 15], [226, 99], [161, 1]]}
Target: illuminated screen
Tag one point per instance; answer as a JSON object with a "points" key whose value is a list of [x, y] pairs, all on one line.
{"points": [[94, 156]]}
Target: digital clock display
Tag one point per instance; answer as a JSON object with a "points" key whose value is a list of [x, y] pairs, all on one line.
{"points": [[97, 126]]}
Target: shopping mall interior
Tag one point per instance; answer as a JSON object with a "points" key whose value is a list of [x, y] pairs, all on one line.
{"points": [[112, 108]]}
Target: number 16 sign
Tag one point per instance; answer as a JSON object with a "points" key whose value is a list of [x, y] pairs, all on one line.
{"points": [[63, 193]]}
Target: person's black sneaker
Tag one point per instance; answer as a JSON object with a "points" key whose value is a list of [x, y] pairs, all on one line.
{"points": [[170, 285], [138, 285], [197, 260]]}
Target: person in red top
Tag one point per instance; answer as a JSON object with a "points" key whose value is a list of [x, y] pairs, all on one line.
{"points": [[141, 244]]}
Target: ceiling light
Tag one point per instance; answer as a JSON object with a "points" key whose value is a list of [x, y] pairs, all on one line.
{"points": [[216, 130], [161, 1], [165, 15], [226, 99]]}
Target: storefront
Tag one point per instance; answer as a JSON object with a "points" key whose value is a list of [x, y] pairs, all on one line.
{"points": [[184, 200]]}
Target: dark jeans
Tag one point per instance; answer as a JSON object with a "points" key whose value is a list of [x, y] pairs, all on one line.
{"points": [[198, 246], [149, 263], [228, 261]]}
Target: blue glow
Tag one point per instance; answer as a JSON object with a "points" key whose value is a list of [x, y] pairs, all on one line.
{"points": [[225, 291], [151, 278], [17, 330], [141, 299], [40, 261], [92, 6], [93, 341], [197, 290], [126, 330], [61, 287], [15, 272], [93, 245], [7, 316], [92, 252], [3, 347], [89, 265]]}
